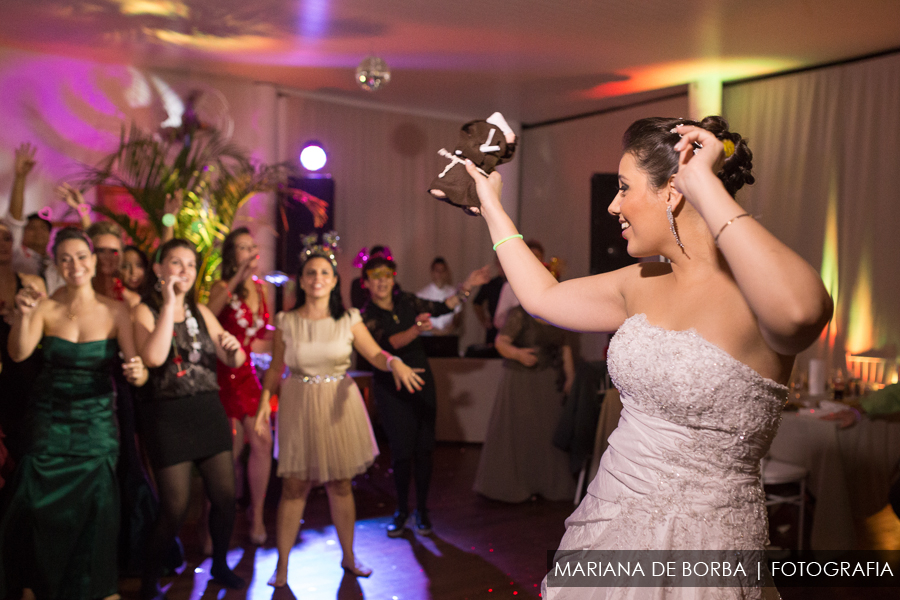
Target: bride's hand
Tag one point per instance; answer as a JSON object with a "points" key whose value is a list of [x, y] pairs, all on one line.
{"points": [[695, 165], [488, 188]]}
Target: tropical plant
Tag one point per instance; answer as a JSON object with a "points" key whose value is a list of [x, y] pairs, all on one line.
{"points": [[211, 175]]}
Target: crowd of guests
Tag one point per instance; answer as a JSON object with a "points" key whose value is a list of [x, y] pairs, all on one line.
{"points": [[119, 385], [83, 338]]}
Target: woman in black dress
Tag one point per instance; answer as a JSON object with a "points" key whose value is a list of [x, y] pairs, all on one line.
{"points": [[396, 320], [16, 379], [182, 421]]}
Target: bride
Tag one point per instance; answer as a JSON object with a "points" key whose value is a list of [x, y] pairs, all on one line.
{"points": [[704, 346]]}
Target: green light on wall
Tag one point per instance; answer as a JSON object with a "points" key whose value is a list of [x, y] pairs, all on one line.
{"points": [[829, 270]]}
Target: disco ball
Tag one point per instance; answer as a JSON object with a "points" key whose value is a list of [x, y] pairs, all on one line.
{"points": [[372, 74]]}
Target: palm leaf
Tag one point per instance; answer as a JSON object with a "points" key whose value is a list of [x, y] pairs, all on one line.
{"points": [[215, 176]]}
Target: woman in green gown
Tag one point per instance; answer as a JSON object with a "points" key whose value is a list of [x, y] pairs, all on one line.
{"points": [[59, 529]]}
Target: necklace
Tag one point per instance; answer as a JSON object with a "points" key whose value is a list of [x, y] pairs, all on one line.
{"points": [[192, 329], [71, 313], [241, 311]]}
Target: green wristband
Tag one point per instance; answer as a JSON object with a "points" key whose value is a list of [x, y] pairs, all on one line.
{"points": [[506, 239]]}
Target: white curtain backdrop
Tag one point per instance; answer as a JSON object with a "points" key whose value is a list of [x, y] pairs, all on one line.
{"points": [[382, 163], [825, 146]]}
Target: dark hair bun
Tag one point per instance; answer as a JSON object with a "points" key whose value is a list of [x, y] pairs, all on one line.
{"points": [[651, 141], [737, 169]]}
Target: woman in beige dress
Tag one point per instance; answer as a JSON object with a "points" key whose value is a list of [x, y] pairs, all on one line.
{"points": [[324, 434]]}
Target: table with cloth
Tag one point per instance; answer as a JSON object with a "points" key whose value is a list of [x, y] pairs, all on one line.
{"points": [[850, 470]]}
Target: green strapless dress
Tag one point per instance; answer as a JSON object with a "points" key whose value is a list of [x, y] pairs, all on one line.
{"points": [[58, 532]]}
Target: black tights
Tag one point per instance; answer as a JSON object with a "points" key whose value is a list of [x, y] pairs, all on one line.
{"points": [[403, 471], [174, 483]]}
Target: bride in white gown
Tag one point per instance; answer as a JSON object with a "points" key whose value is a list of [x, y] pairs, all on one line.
{"points": [[704, 345]]}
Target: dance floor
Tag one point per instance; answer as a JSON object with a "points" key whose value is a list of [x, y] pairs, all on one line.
{"points": [[480, 548]]}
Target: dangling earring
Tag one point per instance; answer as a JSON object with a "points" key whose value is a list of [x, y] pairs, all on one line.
{"points": [[157, 286], [672, 227]]}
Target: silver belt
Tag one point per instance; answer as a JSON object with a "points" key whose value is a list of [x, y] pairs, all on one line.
{"points": [[317, 378]]}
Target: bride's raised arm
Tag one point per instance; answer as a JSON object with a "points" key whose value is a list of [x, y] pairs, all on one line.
{"points": [[593, 303]]}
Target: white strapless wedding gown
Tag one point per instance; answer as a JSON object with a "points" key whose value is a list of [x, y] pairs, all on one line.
{"points": [[682, 468]]}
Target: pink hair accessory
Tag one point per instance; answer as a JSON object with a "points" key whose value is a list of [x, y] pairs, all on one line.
{"points": [[361, 258], [46, 213]]}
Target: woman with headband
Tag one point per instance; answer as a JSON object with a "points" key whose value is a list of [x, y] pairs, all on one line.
{"points": [[409, 417], [324, 433]]}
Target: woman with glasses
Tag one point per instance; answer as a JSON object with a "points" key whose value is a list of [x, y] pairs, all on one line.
{"points": [[408, 416]]}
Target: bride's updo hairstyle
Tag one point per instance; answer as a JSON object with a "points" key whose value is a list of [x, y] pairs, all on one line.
{"points": [[652, 143]]}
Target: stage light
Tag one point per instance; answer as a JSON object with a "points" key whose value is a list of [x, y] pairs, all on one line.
{"points": [[313, 156], [277, 278]]}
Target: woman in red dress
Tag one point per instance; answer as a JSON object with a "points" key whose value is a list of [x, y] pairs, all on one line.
{"points": [[239, 302]]}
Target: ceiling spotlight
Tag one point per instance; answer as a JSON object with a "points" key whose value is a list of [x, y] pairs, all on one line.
{"points": [[313, 156], [373, 74]]}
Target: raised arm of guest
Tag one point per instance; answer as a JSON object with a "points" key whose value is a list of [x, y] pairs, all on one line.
{"points": [[221, 292], [24, 163], [153, 333], [430, 308], [75, 200], [172, 207]]}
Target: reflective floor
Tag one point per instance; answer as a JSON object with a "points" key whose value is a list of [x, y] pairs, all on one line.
{"points": [[480, 548]]}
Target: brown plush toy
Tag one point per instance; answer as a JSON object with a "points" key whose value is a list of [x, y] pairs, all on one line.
{"points": [[486, 143]]}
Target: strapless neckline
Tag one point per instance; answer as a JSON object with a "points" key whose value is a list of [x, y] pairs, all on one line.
{"points": [[56, 337], [693, 333]]}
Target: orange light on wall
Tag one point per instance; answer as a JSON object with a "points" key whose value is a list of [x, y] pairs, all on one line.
{"points": [[663, 75]]}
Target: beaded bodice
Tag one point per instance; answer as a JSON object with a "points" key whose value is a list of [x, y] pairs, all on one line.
{"points": [[683, 464], [730, 411]]}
